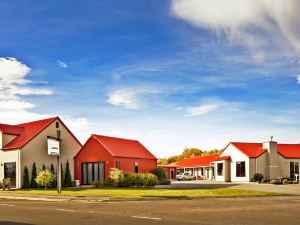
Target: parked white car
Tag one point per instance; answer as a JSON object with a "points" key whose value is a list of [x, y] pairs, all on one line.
{"points": [[185, 176]]}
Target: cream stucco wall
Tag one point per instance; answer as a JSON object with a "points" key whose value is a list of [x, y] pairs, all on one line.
{"points": [[226, 171], [237, 156], [36, 150], [8, 157], [259, 165]]}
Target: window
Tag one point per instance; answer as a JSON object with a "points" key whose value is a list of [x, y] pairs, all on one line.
{"points": [[136, 167], [57, 124], [294, 169], [220, 169], [240, 169], [118, 165]]}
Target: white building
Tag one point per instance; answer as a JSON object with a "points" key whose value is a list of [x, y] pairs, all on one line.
{"points": [[240, 161]]}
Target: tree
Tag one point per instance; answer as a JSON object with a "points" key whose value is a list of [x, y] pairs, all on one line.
{"points": [[162, 161], [33, 184], [53, 185], [160, 173], [191, 153], [44, 167], [68, 178], [116, 176], [44, 178], [26, 184]]}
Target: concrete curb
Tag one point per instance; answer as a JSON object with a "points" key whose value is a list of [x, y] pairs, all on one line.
{"points": [[53, 198]]}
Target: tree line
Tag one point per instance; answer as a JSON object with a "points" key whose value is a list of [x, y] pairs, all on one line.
{"points": [[186, 153]]}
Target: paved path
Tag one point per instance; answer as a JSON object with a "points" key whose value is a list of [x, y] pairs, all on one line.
{"points": [[207, 211]]}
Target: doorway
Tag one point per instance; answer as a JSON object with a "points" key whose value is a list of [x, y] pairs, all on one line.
{"points": [[171, 174], [10, 173], [92, 172]]}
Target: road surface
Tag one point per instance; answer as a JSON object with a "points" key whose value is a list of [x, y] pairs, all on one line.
{"points": [[254, 210]]}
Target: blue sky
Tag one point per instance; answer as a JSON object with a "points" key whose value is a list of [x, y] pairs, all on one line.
{"points": [[172, 74]]}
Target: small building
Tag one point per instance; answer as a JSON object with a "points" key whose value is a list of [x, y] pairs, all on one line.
{"points": [[24, 144], [171, 171], [202, 167], [240, 161], [101, 153]]}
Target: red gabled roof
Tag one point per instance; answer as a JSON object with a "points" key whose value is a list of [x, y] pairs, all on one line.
{"points": [[254, 150], [198, 161], [10, 129], [27, 131], [289, 150], [119, 147]]}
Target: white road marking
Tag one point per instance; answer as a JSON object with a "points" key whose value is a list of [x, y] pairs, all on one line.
{"points": [[145, 217], [6, 204], [67, 210]]}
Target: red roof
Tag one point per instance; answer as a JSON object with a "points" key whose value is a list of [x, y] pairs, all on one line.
{"points": [[220, 158], [198, 161], [289, 150], [119, 147], [253, 150], [27, 131], [10, 129]]}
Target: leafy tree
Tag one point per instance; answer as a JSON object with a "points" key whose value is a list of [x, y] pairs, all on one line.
{"points": [[26, 183], [116, 176], [160, 173], [162, 161], [53, 185], [44, 178], [33, 184], [191, 153], [68, 178]]}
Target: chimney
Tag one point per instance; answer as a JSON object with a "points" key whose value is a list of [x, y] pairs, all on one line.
{"points": [[273, 169]]}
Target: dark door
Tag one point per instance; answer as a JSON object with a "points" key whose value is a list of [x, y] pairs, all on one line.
{"points": [[172, 174], [10, 173], [92, 172]]}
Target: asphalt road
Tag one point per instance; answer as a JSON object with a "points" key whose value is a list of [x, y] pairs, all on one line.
{"points": [[254, 210]]}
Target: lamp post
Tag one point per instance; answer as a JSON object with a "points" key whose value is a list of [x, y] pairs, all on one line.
{"points": [[59, 164]]}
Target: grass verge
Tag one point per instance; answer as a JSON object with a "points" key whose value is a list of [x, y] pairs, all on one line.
{"points": [[144, 193]]}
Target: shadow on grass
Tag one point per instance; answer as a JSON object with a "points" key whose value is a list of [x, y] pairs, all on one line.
{"points": [[166, 196]]}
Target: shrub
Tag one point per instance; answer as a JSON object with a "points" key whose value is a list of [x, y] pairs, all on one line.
{"points": [[160, 173], [139, 180], [285, 181], [116, 176], [53, 185], [68, 178], [98, 184], [33, 184], [44, 178], [152, 180], [275, 181], [258, 177], [25, 184], [164, 182], [128, 180]]}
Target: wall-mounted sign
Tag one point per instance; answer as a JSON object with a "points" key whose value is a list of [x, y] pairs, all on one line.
{"points": [[53, 147]]}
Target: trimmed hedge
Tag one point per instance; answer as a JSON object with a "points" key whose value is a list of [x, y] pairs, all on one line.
{"points": [[139, 180]]}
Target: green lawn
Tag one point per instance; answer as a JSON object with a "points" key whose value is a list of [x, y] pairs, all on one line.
{"points": [[143, 193]]}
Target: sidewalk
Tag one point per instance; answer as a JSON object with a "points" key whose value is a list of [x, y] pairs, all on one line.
{"points": [[51, 198]]}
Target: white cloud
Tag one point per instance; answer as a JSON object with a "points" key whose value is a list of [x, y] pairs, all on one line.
{"points": [[13, 84], [131, 98], [202, 109], [62, 64], [263, 26]]}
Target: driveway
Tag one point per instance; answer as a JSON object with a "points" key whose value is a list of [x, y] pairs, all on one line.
{"points": [[293, 189]]}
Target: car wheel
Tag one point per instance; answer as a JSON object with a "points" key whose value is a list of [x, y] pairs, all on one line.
{"points": [[183, 179], [194, 178]]}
